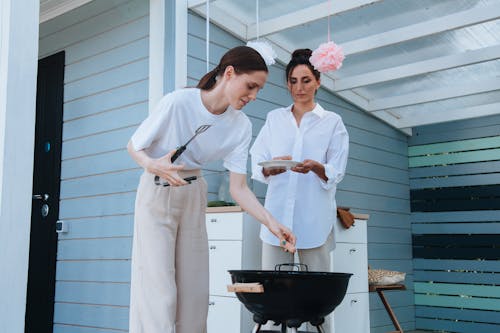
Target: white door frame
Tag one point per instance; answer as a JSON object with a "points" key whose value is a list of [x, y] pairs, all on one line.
{"points": [[167, 47], [19, 24]]}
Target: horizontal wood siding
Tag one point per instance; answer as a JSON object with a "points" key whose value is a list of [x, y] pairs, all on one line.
{"points": [[377, 173], [105, 98], [455, 200]]}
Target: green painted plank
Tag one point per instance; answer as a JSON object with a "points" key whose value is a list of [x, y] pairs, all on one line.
{"points": [[455, 146], [454, 314], [457, 217], [453, 158], [454, 326], [458, 302], [454, 170], [456, 265], [456, 228], [457, 289], [453, 181], [457, 277]]}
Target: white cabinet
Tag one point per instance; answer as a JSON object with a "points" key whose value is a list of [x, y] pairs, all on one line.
{"points": [[233, 240], [350, 256], [234, 243]]}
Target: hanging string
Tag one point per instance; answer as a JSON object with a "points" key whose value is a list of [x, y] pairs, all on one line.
{"points": [[328, 56], [329, 13], [257, 17], [207, 37]]}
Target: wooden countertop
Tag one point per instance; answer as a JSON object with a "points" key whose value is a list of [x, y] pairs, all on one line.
{"points": [[224, 209], [232, 209]]}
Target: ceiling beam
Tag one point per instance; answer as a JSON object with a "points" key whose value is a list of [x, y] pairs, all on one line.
{"points": [[49, 10], [306, 15], [197, 3], [432, 95], [391, 120], [418, 68], [220, 18], [426, 117], [430, 27]]}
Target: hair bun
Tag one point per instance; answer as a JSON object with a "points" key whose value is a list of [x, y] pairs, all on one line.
{"points": [[302, 53]]}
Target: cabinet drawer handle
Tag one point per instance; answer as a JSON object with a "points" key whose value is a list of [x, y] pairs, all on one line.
{"points": [[351, 251], [211, 303], [212, 247], [213, 220]]}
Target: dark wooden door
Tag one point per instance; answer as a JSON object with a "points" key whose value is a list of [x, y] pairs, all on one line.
{"points": [[46, 183]]}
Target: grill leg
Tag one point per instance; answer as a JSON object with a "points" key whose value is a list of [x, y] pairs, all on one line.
{"points": [[320, 329], [256, 328]]}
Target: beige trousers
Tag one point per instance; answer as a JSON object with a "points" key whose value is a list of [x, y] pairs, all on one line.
{"points": [[317, 260], [169, 282]]}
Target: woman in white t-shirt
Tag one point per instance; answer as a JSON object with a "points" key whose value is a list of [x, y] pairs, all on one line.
{"points": [[302, 198], [169, 284]]}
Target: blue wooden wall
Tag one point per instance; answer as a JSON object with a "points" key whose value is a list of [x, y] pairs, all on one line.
{"points": [[106, 92], [105, 97], [455, 199]]}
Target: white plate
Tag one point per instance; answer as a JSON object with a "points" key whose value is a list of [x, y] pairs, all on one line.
{"points": [[278, 164]]}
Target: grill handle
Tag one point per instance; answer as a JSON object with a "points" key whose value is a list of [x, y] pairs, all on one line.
{"points": [[300, 267], [249, 287]]}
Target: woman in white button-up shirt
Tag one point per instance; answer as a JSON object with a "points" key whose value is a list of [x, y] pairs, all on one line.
{"points": [[302, 198]]}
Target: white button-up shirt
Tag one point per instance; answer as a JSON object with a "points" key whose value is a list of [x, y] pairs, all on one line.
{"points": [[303, 202]]}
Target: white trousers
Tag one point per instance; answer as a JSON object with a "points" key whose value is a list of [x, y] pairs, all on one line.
{"points": [[317, 260], [169, 282]]}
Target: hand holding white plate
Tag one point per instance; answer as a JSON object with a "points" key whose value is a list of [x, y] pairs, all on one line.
{"points": [[278, 164]]}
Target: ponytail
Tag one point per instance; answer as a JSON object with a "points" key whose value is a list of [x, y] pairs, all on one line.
{"points": [[244, 59], [208, 80]]}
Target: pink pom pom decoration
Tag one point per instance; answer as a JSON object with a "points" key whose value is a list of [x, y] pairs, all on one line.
{"points": [[327, 57]]}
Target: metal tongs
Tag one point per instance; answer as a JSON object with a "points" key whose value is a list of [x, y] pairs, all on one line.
{"points": [[180, 150]]}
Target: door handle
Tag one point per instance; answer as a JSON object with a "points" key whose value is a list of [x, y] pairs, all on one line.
{"points": [[43, 197]]}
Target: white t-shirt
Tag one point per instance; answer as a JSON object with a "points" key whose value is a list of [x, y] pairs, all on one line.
{"points": [[303, 202], [174, 122]]}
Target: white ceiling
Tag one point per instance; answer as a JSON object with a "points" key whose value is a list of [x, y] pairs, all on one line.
{"points": [[407, 62]]}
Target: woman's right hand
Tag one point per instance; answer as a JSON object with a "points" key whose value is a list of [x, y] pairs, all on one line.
{"points": [[286, 237], [275, 171], [163, 168]]}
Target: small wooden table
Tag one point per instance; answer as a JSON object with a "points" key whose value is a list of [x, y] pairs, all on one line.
{"points": [[380, 291]]}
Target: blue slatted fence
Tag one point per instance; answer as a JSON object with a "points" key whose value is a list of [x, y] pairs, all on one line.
{"points": [[455, 201]]}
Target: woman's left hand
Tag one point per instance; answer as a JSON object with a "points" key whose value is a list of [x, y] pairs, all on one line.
{"points": [[306, 166], [311, 165]]}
